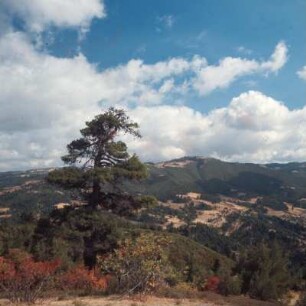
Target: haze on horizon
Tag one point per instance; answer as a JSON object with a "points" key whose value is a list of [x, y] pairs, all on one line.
{"points": [[224, 79]]}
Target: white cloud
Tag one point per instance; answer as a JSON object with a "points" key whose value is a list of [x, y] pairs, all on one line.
{"points": [[253, 127], [40, 14], [37, 86], [222, 75], [45, 100], [139, 83], [229, 69], [278, 58], [302, 73], [133, 81]]}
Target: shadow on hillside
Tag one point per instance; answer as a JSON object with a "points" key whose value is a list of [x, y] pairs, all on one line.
{"points": [[248, 182]]}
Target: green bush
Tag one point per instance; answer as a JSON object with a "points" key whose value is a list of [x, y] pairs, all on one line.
{"points": [[272, 202], [138, 265], [264, 272], [194, 262], [230, 285]]}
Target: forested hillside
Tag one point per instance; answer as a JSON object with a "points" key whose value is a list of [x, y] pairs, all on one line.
{"points": [[27, 190], [225, 207], [209, 175]]}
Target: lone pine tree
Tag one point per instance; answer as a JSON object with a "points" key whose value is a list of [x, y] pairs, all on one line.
{"points": [[99, 163]]}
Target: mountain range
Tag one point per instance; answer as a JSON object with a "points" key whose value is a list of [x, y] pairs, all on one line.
{"points": [[27, 190]]}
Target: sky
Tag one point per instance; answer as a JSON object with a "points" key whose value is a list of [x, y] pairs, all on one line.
{"points": [[223, 79]]}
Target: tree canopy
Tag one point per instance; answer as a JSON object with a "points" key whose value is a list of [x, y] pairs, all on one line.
{"points": [[264, 271], [99, 162]]}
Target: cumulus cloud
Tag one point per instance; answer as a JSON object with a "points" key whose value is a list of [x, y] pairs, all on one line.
{"points": [[302, 73], [44, 88], [197, 75], [139, 83], [37, 89], [42, 100], [253, 127], [223, 74], [229, 69], [37, 15], [45, 100]]}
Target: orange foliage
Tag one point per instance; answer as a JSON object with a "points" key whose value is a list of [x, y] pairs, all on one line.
{"points": [[21, 278], [82, 278]]}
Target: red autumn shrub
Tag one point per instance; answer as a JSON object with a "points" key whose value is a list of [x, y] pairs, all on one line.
{"points": [[80, 278], [212, 283], [22, 279]]}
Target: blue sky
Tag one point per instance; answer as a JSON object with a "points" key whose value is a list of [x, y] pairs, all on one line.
{"points": [[203, 77], [213, 29]]}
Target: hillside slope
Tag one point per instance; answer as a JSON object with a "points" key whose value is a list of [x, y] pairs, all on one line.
{"points": [[208, 175], [27, 191]]}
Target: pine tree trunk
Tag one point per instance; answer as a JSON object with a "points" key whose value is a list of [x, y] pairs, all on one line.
{"points": [[96, 188], [95, 195]]}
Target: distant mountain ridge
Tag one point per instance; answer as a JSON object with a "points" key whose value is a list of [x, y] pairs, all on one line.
{"points": [[209, 175], [286, 182]]}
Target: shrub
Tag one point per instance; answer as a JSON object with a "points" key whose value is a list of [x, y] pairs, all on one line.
{"points": [[138, 265], [230, 285], [193, 262], [272, 202], [22, 279], [147, 201], [203, 206], [264, 272], [80, 278], [212, 283]]}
